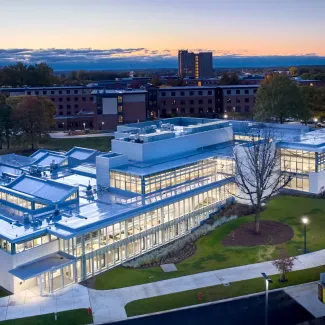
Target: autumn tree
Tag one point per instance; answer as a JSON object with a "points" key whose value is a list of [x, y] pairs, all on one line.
{"points": [[155, 81], [293, 71], [314, 98], [280, 97], [5, 122], [33, 117], [20, 75], [284, 264], [258, 170], [229, 79]]}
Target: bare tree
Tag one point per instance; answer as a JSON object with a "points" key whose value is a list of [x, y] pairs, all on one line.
{"points": [[284, 264], [258, 169]]}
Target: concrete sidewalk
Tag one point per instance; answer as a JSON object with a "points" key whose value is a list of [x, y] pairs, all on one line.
{"points": [[29, 303], [108, 305]]}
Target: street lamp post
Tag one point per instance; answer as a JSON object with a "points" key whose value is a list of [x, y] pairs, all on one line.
{"points": [[103, 125], [305, 221], [315, 120], [225, 116], [267, 281]]}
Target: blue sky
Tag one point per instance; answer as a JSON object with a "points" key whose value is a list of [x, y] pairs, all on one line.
{"points": [[147, 33]]}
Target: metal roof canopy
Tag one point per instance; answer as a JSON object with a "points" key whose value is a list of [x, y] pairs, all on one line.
{"points": [[37, 267]]}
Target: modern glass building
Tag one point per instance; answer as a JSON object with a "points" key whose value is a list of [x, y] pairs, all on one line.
{"points": [[65, 217]]}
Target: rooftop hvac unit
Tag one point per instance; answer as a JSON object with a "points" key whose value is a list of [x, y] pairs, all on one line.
{"points": [[133, 137], [27, 218]]}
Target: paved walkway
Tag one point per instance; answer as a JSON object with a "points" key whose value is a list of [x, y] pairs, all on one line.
{"points": [[62, 135], [28, 302], [108, 305], [307, 296]]}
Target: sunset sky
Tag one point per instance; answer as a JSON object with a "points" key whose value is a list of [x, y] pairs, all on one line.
{"points": [[158, 28]]}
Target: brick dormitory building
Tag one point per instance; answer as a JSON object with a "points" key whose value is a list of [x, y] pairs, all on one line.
{"points": [[83, 107], [205, 101]]}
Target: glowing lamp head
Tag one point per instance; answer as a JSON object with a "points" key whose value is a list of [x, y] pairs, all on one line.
{"points": [[304, 220]]}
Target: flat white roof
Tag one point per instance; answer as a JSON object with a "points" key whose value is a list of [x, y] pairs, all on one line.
{"points": [[80, 153], [48, 159]]}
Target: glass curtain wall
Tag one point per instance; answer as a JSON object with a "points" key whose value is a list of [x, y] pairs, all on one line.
{"points": [[116, 243], [125, 182], [58, 279], [218, 168], [320, 161], [20, 247], [14, 199], [298, 163]]}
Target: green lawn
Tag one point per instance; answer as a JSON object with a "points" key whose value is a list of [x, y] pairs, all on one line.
{"points": [[212, 255], [71, 317], [100, 143], [219, 292]]}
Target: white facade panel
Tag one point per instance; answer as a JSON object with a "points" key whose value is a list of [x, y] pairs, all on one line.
{"points": [[317, 182], [109, 106], [242, 155], [6, 279], [171, 147]]}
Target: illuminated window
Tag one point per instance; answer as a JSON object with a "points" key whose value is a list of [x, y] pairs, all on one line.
{"points": [[120, 99], [39, 205], [125, 181], [120, 109], [72, 197], [120, 119]]}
